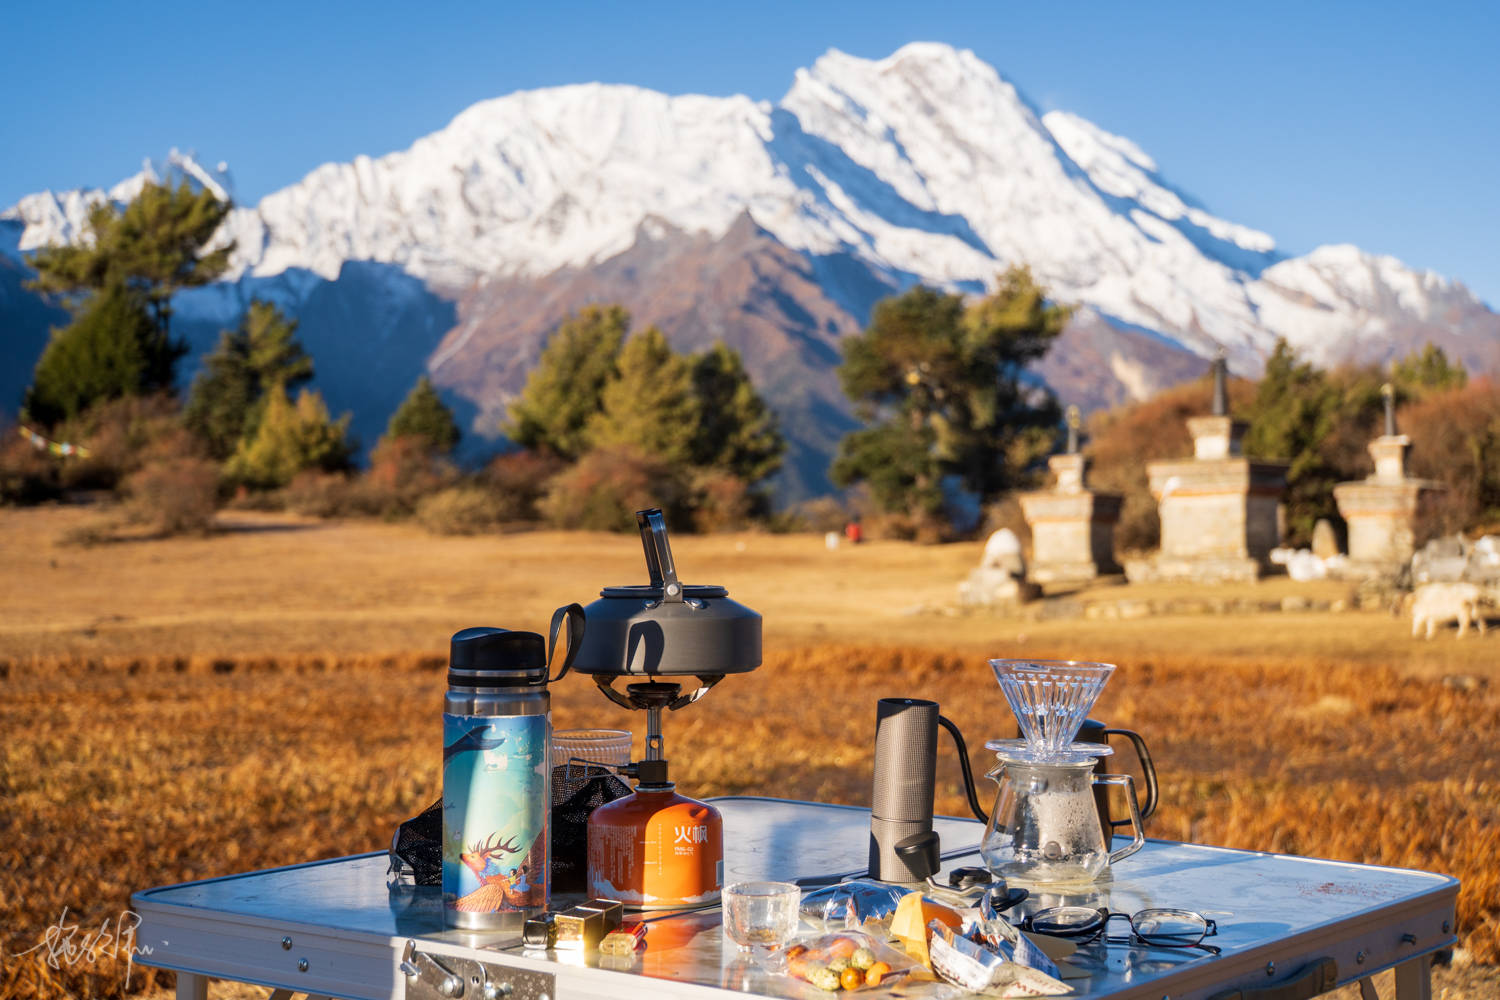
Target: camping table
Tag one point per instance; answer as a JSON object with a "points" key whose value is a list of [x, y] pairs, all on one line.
{"points": [[1289, 927]]}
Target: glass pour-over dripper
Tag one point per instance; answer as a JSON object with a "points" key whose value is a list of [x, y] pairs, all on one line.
{"points": [[1050, 699]]}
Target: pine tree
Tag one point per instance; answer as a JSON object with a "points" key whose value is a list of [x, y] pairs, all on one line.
{"points": [[940, 386], [289, 439], [736, 432], [274, 353], [566, 389], [155, 245], [119, 282], [424, 416], [111, 349], [228, 395], [650, 406]]}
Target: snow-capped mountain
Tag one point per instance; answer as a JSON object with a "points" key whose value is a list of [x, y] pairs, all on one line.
{"points": [[870, 174]]}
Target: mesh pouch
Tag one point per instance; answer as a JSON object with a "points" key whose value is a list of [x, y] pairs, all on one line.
{"points": [[417, 849], [578, 792]]}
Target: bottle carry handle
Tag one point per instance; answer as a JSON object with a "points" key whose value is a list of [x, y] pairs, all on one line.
{"points": [[572, 616]]}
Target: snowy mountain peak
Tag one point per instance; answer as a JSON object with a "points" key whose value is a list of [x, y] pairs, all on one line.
{"points": [[926, 165], [49, 217]]}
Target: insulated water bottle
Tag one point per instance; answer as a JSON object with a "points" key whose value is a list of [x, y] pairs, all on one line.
{"points": [[497, 774]]}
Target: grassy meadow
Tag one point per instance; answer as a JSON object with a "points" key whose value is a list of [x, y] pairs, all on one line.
{"points": [[166, 705]]}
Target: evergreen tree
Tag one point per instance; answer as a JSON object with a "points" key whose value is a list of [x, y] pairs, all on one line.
{"points": [[156, 245], [566, 389], [275, 355], [650, 406], [289, 439], [227, 396], [111, 349], [1319, 424], [1296, 408], [424, 416], [119, 282], [1428, 370], [940, 386], [736, 432]]}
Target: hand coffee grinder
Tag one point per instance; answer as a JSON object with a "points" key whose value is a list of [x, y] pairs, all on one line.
{"points": [[655, 849]]}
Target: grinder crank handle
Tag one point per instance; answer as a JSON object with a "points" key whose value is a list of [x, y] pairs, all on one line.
{"points": [[1148, 770]]}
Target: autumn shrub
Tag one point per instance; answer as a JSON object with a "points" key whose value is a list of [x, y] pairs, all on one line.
{"points": [[315, 493], [460, 510], [607, 486], [819, 514], [118, 436], [174, 495], [721, 501], [518, 482], [1455, 436], [1006, 513], [28, 475], [402, 472]]}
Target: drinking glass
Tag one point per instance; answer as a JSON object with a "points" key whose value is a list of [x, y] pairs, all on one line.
{"points": [[760, 914], [610, 747]]}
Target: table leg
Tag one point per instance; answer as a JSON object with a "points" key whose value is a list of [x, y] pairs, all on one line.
{"points": [[1414, 979], [1367, 989], [191, 986]]}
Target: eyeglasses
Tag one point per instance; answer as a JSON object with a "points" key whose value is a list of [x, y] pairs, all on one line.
{"points": [[1162, 928]]}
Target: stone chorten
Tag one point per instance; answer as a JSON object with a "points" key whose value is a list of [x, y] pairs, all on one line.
{"points": [[1382, 510], [1072, 527], [1218, 509]]}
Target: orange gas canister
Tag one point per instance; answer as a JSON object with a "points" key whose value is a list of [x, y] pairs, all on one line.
{"points": [[655, 849]]}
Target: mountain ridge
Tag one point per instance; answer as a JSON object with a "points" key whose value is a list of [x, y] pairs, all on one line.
{"points": [[925, 166]]}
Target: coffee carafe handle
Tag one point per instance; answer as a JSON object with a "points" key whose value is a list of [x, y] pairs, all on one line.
{"points": [[1148, 769], [1138, 836]]}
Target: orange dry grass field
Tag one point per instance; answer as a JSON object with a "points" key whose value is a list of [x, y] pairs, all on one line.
{"points": [[183, 709]]}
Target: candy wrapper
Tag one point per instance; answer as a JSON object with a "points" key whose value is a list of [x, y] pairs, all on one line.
{"points": [[1008, 942], [851, 904], [848, 961], [972, 966]]}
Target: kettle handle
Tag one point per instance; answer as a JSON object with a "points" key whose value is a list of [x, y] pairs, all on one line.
{"points": [[572, 614], [659, 564], [1148, 769]]}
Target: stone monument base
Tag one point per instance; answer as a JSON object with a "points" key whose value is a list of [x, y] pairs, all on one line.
{"points": [[1064, 572], [1168, 569], [988, 587]]}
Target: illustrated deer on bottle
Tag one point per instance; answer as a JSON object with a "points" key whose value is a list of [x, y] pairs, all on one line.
{"points": [[501, 886]]}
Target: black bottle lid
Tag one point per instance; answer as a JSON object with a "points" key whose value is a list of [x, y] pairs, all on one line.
{"points": [[488, 657]]}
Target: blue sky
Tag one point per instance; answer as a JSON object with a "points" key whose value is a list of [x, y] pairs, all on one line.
{"points": [[1373, 123]]}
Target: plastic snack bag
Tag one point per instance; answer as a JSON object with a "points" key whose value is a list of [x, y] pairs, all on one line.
{"points": [[971, 965], [847, 961], [851, 904]]}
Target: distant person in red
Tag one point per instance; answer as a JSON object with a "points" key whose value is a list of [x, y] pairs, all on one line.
{"points": [[854, 532]]}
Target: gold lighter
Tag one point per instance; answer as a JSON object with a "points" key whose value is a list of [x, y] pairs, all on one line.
{"points": [[584, 926]]}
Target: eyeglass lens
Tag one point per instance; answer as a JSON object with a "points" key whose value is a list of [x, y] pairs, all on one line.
{"points": [[1169, 927]]}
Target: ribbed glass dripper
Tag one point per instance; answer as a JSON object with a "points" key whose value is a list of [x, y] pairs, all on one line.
{"points": [[1050, 698]]}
